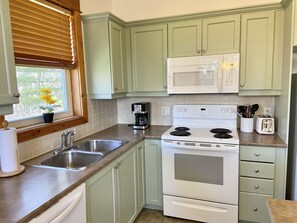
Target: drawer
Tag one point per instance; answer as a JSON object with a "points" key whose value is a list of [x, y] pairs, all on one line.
{"points": [[258, 170], [252, 207], [259, 186], [254, 153]]}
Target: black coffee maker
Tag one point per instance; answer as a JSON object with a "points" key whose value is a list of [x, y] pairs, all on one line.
{"points": [[142, 115]]}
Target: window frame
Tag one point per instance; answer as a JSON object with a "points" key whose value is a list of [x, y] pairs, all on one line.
{"points": [[79, 96]]}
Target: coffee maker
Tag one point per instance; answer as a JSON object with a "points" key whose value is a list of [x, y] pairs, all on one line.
{"points": [[142, 115]]}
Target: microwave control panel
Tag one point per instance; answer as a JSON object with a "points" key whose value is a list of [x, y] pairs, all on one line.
{"points": [[230, 73]]}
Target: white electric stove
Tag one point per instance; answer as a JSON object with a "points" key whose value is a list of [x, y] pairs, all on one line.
{"points": [[200, 159]]}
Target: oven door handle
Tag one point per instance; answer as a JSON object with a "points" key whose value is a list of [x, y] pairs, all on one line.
{"points": [[201, 147]]}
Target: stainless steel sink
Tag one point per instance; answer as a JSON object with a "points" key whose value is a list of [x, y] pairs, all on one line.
{"points": [[100, 145], [73, 160]]}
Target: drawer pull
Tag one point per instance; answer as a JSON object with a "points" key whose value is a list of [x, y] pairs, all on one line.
{"points": [[255, 209], [256, 187], [256, 171], [257, 154]]}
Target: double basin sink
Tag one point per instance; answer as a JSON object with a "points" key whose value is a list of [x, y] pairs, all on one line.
{"points": [[83, 155]]}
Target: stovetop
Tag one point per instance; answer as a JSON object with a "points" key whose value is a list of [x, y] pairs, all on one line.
{"points": [[202, 135]]}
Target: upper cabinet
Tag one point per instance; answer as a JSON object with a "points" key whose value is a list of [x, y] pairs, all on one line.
{"points": [[105, 52], [8, 85], [148, 57], [261, 53], [215, 35]]}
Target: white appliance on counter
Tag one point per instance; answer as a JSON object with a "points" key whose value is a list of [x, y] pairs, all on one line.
{"points": [[70, 209], [200, 159], [203, 74]]}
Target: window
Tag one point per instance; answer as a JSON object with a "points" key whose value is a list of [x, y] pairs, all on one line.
{"points": [[30, 81], [47, 43]]}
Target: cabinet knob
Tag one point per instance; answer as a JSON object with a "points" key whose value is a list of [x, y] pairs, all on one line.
{"points": [[198, 51], [256, 187], [257, 154], [241, 85], [17, 95], [255, 209], [204, 50], [115, 88], [165, 87], [256, 171]]}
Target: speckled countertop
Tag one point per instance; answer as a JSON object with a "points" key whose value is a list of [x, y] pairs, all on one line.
{"points": [[255, 139], [282, 211], [24, 196]]}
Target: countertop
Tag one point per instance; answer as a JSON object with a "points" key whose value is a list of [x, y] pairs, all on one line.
{"points": [[24, 196], [255, 139], [282, 211]]}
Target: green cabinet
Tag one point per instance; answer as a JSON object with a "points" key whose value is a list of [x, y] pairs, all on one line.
{"points": [[216, 35], [112, 192], [153, 174], [148, 58], [8, 86], [140, 176], [261, 53], [105, 52], [262, 176]]}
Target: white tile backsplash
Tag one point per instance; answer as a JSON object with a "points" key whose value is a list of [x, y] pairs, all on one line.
{"points": [[105, 113], [125, 115]]}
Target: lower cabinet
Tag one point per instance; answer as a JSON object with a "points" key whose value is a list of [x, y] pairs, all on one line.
{"points": [[112, 192], [153, 174], [262, 176], [140, 176]]}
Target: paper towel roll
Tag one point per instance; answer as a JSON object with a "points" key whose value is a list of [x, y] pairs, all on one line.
{"points": [[8, 150]]}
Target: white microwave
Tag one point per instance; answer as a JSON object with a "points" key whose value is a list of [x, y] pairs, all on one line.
{"points": [[203, 74]]}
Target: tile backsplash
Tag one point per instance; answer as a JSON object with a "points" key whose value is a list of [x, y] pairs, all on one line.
{"points": [[106, 113], [102, 114], [125, 115]]}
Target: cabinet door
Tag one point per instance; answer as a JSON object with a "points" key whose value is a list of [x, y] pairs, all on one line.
{"points": [[140, 177], [126, 187], [8, 84], [221, 35], [257, 41], [149, 54], [118, 57], [101, 196], [184, 38], [153, 173]]}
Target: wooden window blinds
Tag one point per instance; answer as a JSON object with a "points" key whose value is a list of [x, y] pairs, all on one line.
{"points": [[42, 35]]}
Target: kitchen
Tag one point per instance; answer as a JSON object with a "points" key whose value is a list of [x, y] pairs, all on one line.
{"points": [[112, 112]]}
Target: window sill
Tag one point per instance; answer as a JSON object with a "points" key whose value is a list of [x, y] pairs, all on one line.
{"points": [[35, 131]]}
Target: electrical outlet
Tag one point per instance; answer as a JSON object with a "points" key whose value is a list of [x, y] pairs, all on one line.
{"points": [[165, 111], [267, 111]]}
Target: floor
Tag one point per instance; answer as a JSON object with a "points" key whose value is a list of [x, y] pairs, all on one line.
{"points": [[155, 216]]}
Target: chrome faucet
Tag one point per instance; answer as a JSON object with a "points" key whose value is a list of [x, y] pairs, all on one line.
{"points": [[67, 141]]}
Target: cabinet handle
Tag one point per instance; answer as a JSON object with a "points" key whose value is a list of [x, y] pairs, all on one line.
{"points": [[139, 148], [256, 187], [198, 51], [204, 50], [255, 209], [256, 171], [165, 87], [257, 154], [115, 88], [241, 85], [17, 95]]}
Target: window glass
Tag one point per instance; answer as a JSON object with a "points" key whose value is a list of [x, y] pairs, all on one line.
{"points": [[30, 80]]}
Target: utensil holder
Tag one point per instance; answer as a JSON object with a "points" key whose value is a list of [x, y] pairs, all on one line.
{"points": [[246, 124]]}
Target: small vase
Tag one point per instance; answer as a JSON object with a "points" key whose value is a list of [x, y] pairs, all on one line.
{"points": [[48, 117]]}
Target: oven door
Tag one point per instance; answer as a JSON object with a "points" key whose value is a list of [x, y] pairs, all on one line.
{"points": [[201, 173]]}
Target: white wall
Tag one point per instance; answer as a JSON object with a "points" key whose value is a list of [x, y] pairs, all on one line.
{"points": [[130, 10]]}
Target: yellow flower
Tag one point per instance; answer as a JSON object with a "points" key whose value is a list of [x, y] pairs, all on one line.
{"points": [[46, 90]]}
